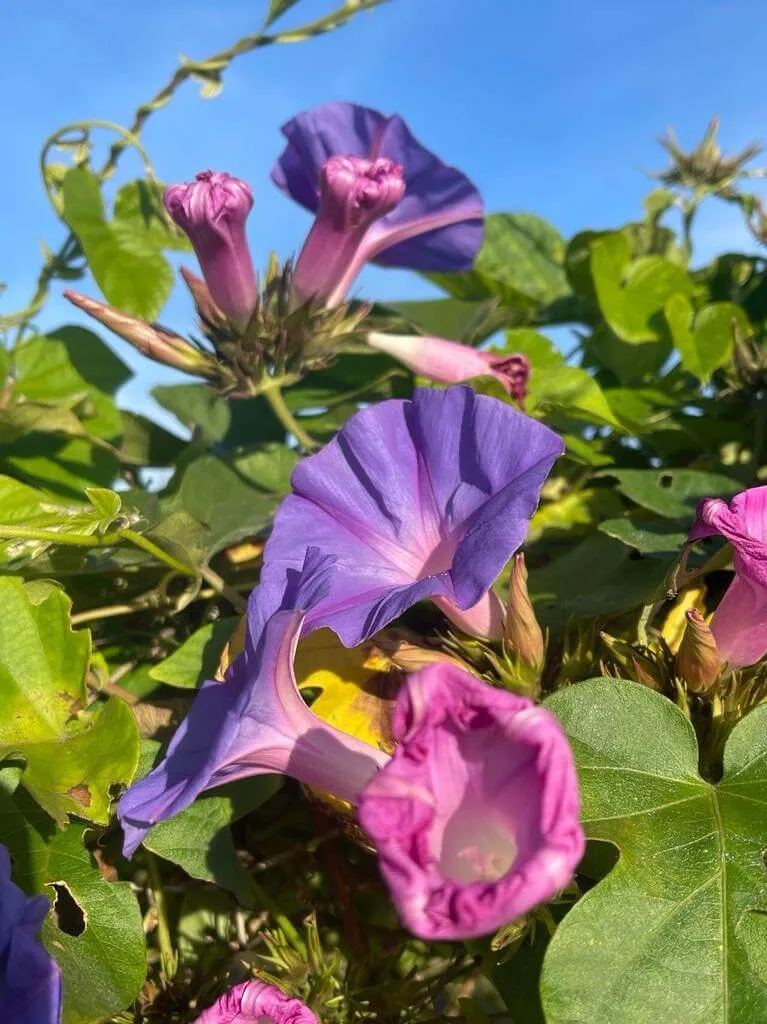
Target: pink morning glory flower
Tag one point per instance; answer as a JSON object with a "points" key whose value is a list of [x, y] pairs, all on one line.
{"points": [[255, 1002], [739, 624]]}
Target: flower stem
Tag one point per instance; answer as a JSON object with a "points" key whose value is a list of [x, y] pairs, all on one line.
{"points": [[283, 922], [280, 409], [168, 955]]}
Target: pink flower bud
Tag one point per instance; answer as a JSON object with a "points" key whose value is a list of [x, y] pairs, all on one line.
{"points": [[354, 193], [448, 362], [697, 660], [152, 340], [212, 211], [523, 633]]}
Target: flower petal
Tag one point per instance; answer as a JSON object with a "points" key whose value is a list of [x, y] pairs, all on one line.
{"points": [[476, 816], [413, 499], [255, 1002]]}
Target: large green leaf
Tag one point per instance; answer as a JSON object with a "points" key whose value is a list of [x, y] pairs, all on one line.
{"points": [[672, 493], [226, 503], [706, 342], [678, 929], [199, 838], [662, 538], [74, 753], [103, 967], [69, 364], [470, 322], [63, 465], [196, 407], [139, 208], [632, 294], [520, 262], [130, 270], [98, 941], [556, 387], [198, 657]]}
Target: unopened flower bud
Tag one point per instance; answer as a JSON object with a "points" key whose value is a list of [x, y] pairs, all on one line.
{"points": [[697, 660], [522, 632], [151, 340], [634, 664], [212, 211], [354, 193], [448, 362]]}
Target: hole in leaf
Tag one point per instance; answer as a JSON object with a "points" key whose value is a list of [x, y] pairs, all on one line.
{"points": [[665, 480], [67, 912]]}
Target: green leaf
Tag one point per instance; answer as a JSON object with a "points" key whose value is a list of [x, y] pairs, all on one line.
{"points": [[572, 391], [631, 294], [104, 967], [72, 363], [245, 510], [199, 838], [196, 406], [470, 322], [58, 464], [131, 272], [650, 537], [672, 493], [520, 262], [687, 899], [29, 508], [198, 657], [139, 207], [74, 753], [597, 576], [145, 443], [270, 467], [708, 343]]}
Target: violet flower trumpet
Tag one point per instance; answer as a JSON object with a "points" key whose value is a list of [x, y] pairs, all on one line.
{"points": [[476, 817], [377, 194], [739, 624], [254, 723], [30, 980], [424, 498], [212, 212], [448, 362], [255, 1002]]}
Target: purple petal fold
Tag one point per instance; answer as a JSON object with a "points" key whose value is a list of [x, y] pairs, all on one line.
{"points": [[254, 723], [254, 1002], [412, 499], [438, 226], [739, 624], [30, 980], [476, 816]]}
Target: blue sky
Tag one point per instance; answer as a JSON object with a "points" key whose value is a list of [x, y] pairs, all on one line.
{"points": [[551, 107]]}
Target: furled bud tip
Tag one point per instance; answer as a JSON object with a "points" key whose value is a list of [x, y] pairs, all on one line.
{"points": [[354, 193], [450, 363], [697, 660], [212, 211], [523, 633], [151, 340]]}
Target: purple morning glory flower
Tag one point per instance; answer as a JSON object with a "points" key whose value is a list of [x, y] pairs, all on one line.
{"points": [[212, 211], [476, 816], [739, 624], [403, 205], [30, 981], [254, 723], [426, 498], [254, 1002]]}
